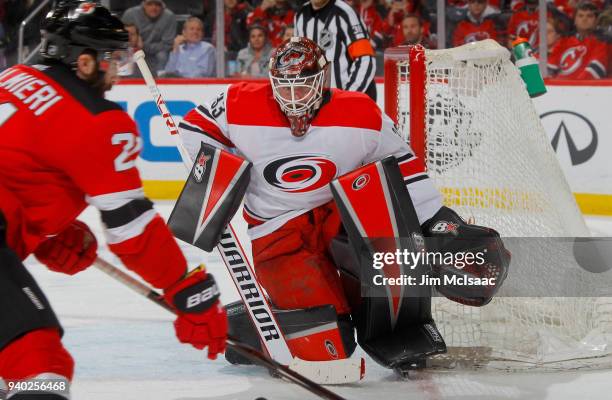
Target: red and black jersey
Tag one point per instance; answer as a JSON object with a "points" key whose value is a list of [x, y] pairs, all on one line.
{"points": [[274, 19], [469, 30], [64, 146], [579, 58], [524, 24]]}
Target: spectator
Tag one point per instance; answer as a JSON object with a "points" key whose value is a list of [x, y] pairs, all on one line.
{"points": [[15, 12], [339, 31], [373, 22], [400, 9], [191, 57], [524, 23], [288, 32], [604, 30], [275, 15], [582, 55], [254, 59], [236, 32], [129, 69], [157, 27], [568, 7], [476, 25], [554, 33], [412, 33]]}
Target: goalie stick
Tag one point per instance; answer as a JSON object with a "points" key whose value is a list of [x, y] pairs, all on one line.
{"points": [[241, 348], [239, 268]]}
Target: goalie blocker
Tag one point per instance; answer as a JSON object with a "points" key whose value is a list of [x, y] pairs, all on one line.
{"points": [[211, 196]]}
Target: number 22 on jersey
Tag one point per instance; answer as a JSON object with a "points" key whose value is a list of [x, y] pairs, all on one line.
{"points": [[131, 146]]}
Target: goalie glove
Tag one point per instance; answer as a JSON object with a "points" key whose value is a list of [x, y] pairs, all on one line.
{"points": [[201, 320], [447, 232]]}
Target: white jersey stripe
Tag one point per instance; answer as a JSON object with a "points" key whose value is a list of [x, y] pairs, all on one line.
{"points": [[112, 201]]}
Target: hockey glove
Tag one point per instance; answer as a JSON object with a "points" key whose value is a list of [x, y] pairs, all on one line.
{"points": [[479, 254], [70, 251], [201, 320]]}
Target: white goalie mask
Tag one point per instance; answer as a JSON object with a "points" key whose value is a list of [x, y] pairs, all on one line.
{"points": [[299, 76]]}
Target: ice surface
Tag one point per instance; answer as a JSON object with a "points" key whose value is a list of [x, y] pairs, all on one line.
{"points": [[125, 348]]}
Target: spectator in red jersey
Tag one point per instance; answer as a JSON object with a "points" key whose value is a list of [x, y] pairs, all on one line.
{"points": [[568, 7], [524, 23], [373, 22], [412, 33], [398, 10], [476, 25], [275, 15], [493, 6], [582, 55]]}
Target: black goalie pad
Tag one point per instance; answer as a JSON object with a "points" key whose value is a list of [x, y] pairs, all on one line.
{"points": [[210, 198], [394, 322]]}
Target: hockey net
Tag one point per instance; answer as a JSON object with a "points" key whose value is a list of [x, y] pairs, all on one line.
{"points": [[466, 113]]}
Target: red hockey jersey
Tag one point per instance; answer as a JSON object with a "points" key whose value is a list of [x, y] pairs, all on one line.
{"points": [[574, 58], [524, 23], [64, 146], [467, 31]]}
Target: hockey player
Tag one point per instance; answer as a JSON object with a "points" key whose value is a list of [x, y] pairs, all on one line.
{"points": [[300, 137], [63, 147]]}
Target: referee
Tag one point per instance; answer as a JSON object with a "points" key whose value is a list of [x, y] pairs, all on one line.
{"points": [[339, 31]]}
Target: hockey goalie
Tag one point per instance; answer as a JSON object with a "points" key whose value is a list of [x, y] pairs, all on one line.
{"points": [[327, 171]]}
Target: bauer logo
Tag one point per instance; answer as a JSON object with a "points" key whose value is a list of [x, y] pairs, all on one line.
{"points": [[445, 227], [573, 129], [361, 181], [200, 167], [300, 173], [202, 297]]}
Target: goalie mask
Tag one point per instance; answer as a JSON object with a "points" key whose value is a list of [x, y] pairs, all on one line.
{"points": [[299, 76]]}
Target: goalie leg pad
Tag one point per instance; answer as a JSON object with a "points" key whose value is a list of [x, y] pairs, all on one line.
{"points": [[394, 323], [211, 196], [313, 334], [293, 266]]}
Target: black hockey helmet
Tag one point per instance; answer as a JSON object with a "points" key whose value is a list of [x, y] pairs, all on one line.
{"points": [[73, 26]]}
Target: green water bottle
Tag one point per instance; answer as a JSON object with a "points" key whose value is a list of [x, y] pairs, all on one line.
{"points": [[529, 67]]}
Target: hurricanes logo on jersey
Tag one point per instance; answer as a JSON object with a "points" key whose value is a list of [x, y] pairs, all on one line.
{"points": [[301, 173]]}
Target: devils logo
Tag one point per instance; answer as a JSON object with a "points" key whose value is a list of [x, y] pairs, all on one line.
{"points": [[300, 174]]}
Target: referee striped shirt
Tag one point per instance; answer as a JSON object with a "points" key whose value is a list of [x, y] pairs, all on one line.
{"points": [[340, 32]]}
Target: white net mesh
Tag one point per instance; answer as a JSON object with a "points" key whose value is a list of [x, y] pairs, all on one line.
{"points": [[489, 155]]}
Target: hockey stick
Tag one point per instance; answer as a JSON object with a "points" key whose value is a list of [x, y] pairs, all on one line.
{"points": [[241, 348], [239, 268]]}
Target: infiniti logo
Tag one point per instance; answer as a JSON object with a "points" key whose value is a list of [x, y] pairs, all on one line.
{"points": [[579, 134]]}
